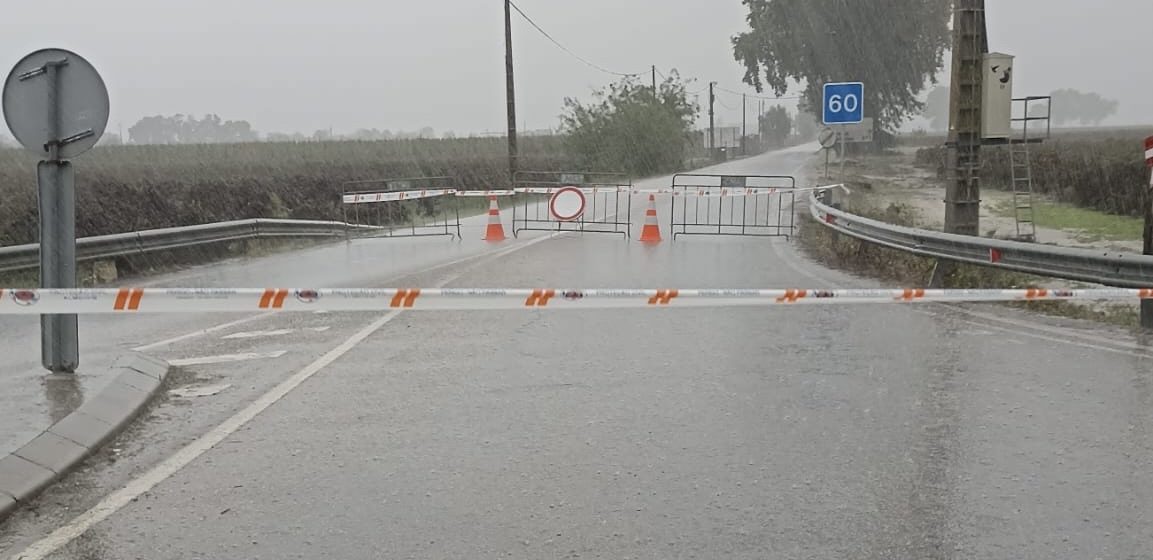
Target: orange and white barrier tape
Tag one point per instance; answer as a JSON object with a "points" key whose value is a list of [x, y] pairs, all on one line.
{"points": [[214, 300], [585, 190], [394, 196], [693, 191]]}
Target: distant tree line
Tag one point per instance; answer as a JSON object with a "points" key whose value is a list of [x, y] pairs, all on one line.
{"points": [[1068, 106], [211, 129], [187, 129]]}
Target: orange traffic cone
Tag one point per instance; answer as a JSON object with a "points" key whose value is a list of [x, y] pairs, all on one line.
{"points": [[651, 232], [495, 231]]}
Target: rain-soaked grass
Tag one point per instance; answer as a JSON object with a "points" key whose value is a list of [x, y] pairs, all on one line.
{"points": [[909, 270], [1088, 225], [132, 188]]}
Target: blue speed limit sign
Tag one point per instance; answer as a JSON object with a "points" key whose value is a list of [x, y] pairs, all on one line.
{"points": [[844, 103]]}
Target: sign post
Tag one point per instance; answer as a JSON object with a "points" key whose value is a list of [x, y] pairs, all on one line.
{"points": [[827, 138], [56, 106], [843, 103], [1147, 237]]}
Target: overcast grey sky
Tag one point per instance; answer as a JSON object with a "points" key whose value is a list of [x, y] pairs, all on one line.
{"points": [[302, 65]]}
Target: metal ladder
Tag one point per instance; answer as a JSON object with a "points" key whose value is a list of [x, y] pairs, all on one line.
{"points": [[1022, 176], [1021, 165]]}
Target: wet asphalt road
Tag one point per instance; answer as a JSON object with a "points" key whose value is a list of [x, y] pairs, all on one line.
{"points": [[28, 403], [809, 432]]}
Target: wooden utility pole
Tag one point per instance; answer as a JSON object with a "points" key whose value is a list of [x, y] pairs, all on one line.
{"points": [[510, 93], [1147, 304], [654, 82], [963, 192], [712, 122], [744, 124]]}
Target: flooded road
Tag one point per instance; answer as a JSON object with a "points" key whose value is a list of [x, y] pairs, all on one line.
{"points": [[812, 432]]}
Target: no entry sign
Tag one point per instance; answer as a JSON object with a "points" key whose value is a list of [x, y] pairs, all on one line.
{"points": [[567, 204]]}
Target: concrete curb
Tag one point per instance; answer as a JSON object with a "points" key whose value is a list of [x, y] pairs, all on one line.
{"points": [[62, 447]]}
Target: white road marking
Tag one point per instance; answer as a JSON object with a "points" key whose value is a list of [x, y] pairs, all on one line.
{"points": [[202, 332], [225, 326], [165, 469], [1064, 340], [258, 334], [200, 391], [317, 329], [226, 358], [1056, 335]]}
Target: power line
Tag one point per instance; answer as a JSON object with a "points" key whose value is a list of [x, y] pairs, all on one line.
{"points": [[752, 96], [565, 49]]}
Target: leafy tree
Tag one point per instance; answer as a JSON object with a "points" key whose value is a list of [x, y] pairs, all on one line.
{"points": [[937, 108], [805, 123], [1071, 105], [777, 125], [894, 46], [627, 128]]}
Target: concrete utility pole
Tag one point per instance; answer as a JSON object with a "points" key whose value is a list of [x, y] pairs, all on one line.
{"points": [[744, 123], [654, 83], [510, 93], [1147, 235], [963, 192], [712, 122]]}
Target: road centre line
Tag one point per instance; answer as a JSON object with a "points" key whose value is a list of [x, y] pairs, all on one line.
{"points": [[164, 470]]}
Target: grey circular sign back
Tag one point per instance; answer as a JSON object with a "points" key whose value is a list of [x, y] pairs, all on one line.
{"points": [[827, 138], [80, 95]]}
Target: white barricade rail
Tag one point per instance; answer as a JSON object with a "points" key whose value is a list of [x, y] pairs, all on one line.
{"points": [[393, 196], [607, 202], [505, 192], [406, 207], [744, 205], [367, 198], [210, 300]]}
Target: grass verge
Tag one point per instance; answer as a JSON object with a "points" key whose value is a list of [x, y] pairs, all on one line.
{"points": [[1088, 225], [905, 269]]}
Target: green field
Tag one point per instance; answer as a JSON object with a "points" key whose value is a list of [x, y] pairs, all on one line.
{"points": [[129, 188], [1097, 169], [1090, 225]]}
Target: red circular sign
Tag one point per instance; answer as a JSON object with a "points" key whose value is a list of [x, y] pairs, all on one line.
{"points": [[567, 204]]}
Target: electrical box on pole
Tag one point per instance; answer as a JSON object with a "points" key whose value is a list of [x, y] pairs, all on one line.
{"points": [[997, 96]]}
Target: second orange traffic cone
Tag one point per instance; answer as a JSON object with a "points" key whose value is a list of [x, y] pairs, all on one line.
{"points": [[651, 232], [495, 231]]}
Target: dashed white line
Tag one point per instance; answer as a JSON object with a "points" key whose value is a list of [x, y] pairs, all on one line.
{"points": [[226, 358], [202, 332], [170, 466], [257, 334]]}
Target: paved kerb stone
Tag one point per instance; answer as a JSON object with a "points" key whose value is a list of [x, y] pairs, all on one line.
{"points": [[116, 404], [53, 452], [136, 380], [152, 367], [83, 429], [21, 478]]}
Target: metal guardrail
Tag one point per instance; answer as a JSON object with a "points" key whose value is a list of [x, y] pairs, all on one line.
{"points": [[1109, 268], [19, 257]]}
